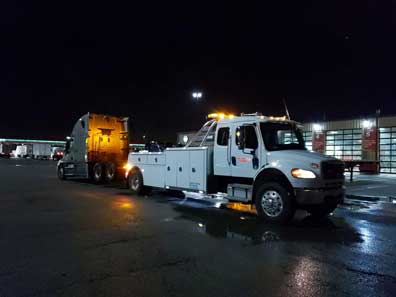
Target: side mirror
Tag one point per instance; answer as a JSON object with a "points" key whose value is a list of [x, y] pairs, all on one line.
{"points": [[67, 146], [241, 144]]}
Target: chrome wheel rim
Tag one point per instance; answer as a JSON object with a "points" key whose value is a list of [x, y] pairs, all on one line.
{"points": [[110, 173], [135, 183], [98, 173], [272, 203]]}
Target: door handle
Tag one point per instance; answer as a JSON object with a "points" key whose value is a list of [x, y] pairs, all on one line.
{"points": [[233, 160]]}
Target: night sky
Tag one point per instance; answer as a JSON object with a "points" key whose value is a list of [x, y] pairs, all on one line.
{"points": [[59, 60]]}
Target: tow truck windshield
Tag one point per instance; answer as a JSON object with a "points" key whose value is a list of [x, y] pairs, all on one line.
{"points": [[282, 136]]}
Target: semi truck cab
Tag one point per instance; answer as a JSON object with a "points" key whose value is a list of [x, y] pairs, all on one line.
{"points": [[253, 159], [97, 148]]}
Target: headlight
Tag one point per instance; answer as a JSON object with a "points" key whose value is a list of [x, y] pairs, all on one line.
{"points": [[301, 173]]}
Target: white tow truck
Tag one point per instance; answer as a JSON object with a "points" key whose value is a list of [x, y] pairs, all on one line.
{"points": [[252, 159]]}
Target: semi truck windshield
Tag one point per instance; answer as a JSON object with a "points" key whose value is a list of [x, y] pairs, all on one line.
{"points": [[282, 136]]}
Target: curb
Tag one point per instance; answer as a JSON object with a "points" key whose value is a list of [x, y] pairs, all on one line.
{"points": [[371, 198]]}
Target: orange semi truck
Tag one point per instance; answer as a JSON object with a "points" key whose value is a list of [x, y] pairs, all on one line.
{"points": [[97, 148]]}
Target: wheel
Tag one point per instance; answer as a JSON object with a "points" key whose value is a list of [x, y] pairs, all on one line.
{"points": [[274, 203], [61, 173], [110, 171], [97, 173], [321, 211], [135, 183]]}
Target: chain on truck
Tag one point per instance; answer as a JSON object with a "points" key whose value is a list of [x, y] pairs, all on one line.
{"points": [[252, 159]]}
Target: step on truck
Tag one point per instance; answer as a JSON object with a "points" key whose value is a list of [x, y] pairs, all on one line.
{"points": [[252, 159], [96, 149]]}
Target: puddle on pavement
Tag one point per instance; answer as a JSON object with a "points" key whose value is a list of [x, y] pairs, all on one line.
{"points": [[247, 228], [355, 205]]}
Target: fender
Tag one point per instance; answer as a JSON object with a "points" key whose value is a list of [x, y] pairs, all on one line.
{"points": [[128, 171], [270, 174]]}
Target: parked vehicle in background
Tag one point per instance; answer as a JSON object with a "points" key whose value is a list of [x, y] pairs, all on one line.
{"points": [[57, 153], [252, 159], [97, 148], [3, 152], [41, 151], [5, 155], [24, 151]]}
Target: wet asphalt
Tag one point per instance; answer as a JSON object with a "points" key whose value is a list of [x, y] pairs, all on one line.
{"points": [[73, 238]]}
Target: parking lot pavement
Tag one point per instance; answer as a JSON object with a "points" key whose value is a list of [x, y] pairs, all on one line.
{"points": [[382, 186], [73, 238]]}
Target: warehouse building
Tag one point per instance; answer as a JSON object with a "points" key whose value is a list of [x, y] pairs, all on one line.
{"points": [[371, 139]]}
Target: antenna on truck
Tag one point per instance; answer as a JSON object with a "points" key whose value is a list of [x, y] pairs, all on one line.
{"points": [[286, 109]]}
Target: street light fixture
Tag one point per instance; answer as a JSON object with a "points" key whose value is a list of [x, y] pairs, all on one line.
{"points": [[197, 95], [367, 124], [317, 127]]}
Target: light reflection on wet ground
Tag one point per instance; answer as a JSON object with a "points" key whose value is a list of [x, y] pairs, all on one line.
{"points": [[246, 226]]}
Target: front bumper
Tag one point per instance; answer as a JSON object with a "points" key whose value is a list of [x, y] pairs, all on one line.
{"points": [[333, 196]]}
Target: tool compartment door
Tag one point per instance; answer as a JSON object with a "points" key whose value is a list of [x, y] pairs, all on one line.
{"points": [[198, 170], [171, 168], [182, 172], [138, 159], [154, 173], [156, 159]]}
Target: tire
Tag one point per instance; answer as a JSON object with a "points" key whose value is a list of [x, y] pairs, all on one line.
{"points": [[110, 172], [274, 203], [135, 183], [61, 172], [321, 211], [97, 173]]}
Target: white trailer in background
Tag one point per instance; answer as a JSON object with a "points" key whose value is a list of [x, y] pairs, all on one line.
{"points": [[41, 150], [24, 151], [252, 159]]}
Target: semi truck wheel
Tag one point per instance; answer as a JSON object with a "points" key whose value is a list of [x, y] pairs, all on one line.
{"points": [[97, 173], [274, 203], [61, 173], [110, 170]]}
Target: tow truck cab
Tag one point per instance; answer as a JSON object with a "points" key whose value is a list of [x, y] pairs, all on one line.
{"points": [[254, 159]]}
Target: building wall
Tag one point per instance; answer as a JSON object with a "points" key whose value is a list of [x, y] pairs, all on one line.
{"points": [[357, 139]]}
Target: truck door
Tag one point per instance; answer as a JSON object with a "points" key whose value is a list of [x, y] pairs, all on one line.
{"points": [[245, 152], [222, 152]]}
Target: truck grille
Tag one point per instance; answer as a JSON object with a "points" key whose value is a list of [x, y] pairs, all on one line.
{"points": [[333, 170]]}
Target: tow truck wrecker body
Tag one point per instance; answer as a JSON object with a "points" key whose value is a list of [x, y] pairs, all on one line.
{"points": [[254, 159]]}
